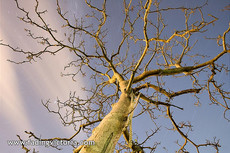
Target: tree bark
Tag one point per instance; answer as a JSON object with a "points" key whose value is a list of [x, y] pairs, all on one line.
{"points": [[108, 132]]}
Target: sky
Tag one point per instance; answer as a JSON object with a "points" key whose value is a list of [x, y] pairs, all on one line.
{"points": [[22, 87]]}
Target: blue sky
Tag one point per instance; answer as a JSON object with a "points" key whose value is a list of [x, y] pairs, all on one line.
{"points": [[22, 87]]}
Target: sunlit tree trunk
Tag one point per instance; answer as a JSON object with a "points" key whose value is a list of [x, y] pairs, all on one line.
{"points": [[109, 131]]}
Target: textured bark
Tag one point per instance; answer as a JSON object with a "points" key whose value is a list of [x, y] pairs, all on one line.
{"points": [[108, 132]]}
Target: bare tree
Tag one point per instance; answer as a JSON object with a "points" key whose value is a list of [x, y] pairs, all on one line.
{"points": [[133, 75]]}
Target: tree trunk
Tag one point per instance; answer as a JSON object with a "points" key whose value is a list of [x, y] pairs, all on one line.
{"points": [[108, 132]]}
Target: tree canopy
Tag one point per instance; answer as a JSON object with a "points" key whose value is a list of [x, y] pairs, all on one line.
{"points": [[146, 62]]}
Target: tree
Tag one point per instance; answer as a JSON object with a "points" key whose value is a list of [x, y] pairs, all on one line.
{"points": [[135, 75]]}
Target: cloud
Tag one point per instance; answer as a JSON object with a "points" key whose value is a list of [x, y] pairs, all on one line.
{"points": [[23, 86]]}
